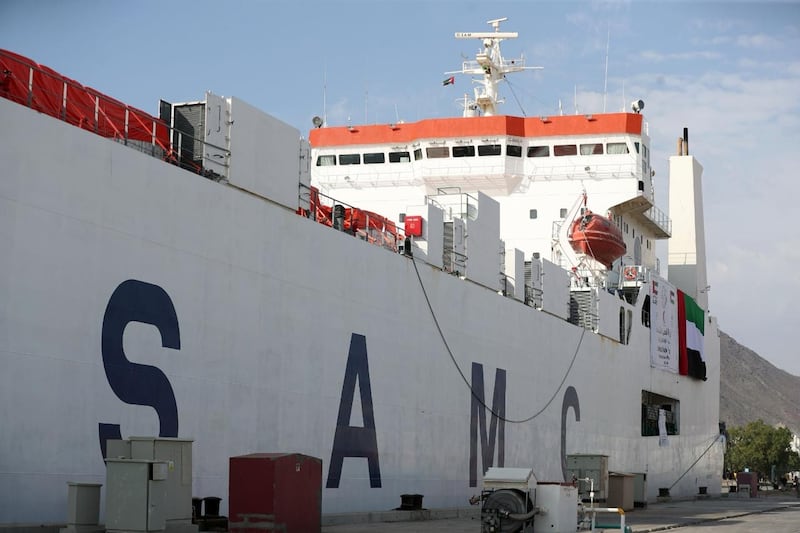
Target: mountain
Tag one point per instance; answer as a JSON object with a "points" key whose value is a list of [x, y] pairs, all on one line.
{"points": [[751, 388]]}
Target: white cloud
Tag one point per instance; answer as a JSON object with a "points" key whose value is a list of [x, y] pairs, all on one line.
{"points": [[652, 56], [744, 126], [759, 40], [711, 26]]}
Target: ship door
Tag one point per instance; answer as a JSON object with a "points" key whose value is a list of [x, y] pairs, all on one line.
{"points": [[215, 147]]}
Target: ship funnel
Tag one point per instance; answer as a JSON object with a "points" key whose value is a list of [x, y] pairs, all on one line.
{"points": [[685, 141]]}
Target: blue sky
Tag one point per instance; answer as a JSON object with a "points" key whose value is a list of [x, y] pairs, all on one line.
{"points": [[729, 71]]}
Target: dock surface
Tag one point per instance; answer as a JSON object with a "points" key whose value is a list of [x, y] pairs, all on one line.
{"points": [[661, 516]]}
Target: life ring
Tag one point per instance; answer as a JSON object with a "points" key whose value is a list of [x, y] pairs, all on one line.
{"points": [[631, 273]]}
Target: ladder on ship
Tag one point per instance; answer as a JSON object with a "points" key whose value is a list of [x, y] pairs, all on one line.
{"points": [[582, 309], [454, 260]]}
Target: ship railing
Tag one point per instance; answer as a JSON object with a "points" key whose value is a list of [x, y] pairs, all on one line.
{"points": [[193, 159], [481, 173], [506, 283], [583, 170], [370, 227], [660, 219], [44, 90], [509, 286], [455, 204], [471, 65], [634, 275], [533, 296]]}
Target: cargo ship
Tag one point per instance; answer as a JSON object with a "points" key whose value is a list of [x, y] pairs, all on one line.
{"points": [[411, 303]]}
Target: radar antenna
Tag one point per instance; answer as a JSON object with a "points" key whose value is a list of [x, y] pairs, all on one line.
{"points": [[491, 66]]}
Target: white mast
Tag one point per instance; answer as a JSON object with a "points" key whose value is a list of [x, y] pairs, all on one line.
{"points": [[489, 63], [605, 78]]}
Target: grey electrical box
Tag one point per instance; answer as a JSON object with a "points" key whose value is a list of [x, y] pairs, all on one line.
{"points": [[135, 494], [620, 490], [83, 504], [177, 454], [118, 449], [590, 466]]}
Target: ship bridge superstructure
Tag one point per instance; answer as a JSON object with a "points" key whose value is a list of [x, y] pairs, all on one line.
{"points": [[535, 167]]}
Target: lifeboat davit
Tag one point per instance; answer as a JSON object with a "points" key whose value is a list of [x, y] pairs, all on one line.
{"points": [[597, 237]]}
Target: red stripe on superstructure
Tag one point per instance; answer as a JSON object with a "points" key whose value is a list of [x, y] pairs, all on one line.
{"points": [[438, 128]]}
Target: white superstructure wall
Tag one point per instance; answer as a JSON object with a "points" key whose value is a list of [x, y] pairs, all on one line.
{"points": [[687, 247]]}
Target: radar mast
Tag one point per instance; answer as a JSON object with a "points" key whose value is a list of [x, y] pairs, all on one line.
{"points": [[491, 66]]}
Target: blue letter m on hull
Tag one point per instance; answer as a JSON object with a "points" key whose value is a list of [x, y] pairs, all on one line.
{"points": [[497, 426]]}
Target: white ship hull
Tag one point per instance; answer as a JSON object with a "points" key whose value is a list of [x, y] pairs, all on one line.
{"points": [[280, 325]]}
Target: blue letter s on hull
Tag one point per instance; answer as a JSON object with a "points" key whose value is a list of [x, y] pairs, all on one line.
{"points": [[136, 384]]}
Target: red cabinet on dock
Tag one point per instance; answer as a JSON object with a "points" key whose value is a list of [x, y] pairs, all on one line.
{"points": [[275, 491]]}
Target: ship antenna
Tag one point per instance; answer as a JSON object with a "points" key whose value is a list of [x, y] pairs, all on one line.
{"points": [[623, 95], [491, 66], [575, 101], [605, 82]]}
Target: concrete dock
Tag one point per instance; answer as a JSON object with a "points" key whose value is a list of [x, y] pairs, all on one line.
{"points": [[660, 516], [774, 511]]}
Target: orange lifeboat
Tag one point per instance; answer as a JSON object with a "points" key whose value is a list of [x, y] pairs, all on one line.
{"points": [[597, 237]]}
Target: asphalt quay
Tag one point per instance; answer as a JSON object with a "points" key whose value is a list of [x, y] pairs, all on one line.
{"points": [[659, 516]]}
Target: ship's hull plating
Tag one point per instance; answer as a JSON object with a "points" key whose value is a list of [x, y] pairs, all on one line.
{"points": [[140, 299]]}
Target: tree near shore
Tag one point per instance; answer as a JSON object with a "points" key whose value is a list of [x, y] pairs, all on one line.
{"points": [[758, 447]]}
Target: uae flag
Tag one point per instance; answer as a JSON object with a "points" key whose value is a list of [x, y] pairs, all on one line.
{"points": [[449, 81], [691, 328]]}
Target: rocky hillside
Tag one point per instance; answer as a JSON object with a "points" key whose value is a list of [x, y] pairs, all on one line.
{"points": [[752, 388]]}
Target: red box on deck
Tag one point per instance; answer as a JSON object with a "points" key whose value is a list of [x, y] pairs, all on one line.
{"points": [[287, 486], [413, 226]]}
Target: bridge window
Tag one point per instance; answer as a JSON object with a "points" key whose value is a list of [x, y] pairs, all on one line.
{"points": [[533, 214], [563, 212], [399, 157], [437, 152], [417, 154], [464, 151], [513, 150], [652, 403], [565, 149], [592, 149], [326, 160], [376, 157], [350, 159], [538, 151], [488, 149], [617, 148]]}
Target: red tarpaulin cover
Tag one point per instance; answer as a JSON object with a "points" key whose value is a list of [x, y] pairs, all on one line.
{"points": [[53, 94]]}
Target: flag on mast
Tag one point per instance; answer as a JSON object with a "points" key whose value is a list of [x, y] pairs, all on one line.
{"points": [[449, 81], [691, 332]]}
